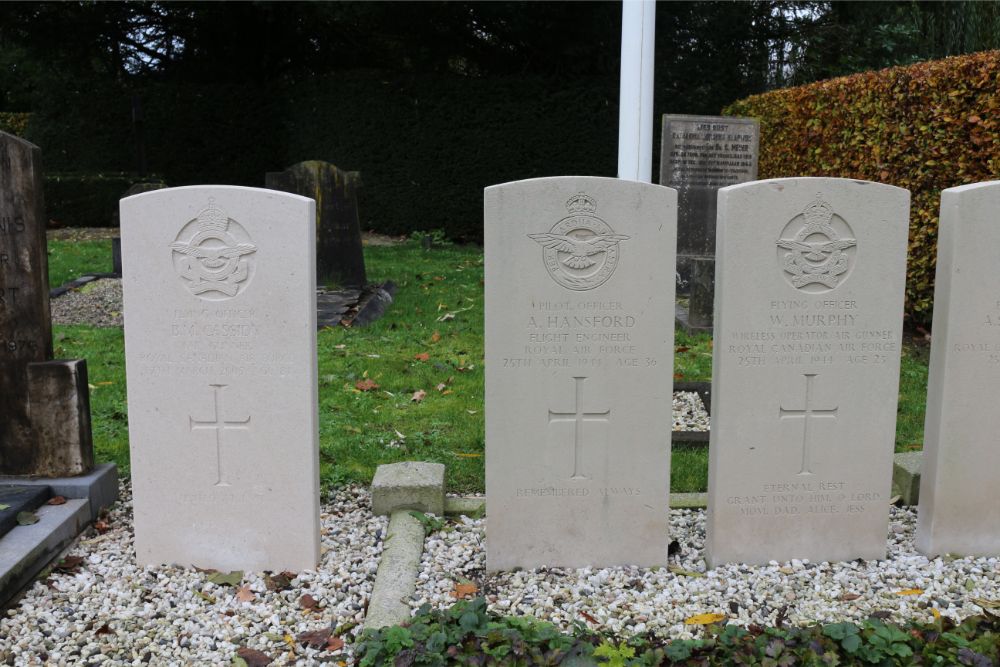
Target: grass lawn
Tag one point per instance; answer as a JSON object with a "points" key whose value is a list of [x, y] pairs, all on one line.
{"points": [[424, 361]]}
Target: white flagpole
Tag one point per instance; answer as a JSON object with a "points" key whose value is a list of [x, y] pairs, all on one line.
{"points": [[635, 115]]}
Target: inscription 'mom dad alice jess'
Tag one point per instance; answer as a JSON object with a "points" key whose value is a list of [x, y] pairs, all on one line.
{"points": [[808, 315], [579, 351], [221, 361]]}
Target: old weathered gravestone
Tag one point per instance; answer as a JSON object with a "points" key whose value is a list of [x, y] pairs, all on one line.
{"points": [[220, 349], [340, 260], [579, 352], [699, 155], [808, 326], [960, 484], [44, 409]]}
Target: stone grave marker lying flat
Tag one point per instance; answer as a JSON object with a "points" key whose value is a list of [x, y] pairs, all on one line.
{"points": [[959, 508], [579, 357], [340, 259], [808, 317], [44, 403], [220, 348]]}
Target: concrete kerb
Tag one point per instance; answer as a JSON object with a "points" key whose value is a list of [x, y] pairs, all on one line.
{"points": [[398, 490]]}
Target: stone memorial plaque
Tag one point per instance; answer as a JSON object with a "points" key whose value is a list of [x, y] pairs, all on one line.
{"points": [[340, 260], [959, 509], [699, 155], [44, 404], [579, 357], [220, 348], [810, 275]]}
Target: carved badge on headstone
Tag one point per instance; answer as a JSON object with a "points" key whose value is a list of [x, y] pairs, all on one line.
{"points": [[816, 248], [213, 254], [581, 250]]}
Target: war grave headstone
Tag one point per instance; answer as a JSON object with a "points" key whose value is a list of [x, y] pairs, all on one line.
{"points": [[699, 155], [116, 242], [579, 357], [45, 411], [959, 509], [808, 317], [220, 349]]}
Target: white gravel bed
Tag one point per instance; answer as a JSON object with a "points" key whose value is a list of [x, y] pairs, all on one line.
{"points": [[98, 304], [632, 600], [110, 611], [689, 412]]}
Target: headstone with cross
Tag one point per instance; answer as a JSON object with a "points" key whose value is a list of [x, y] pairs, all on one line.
{"points": [[44, 403], [959, 509], [220, 350], [808, 328], [579, 352]]}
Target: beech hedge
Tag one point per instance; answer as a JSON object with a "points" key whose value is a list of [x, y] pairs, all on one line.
{"points": [[924, 127]]}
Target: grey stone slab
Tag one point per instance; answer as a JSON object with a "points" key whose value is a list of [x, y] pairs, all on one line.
{"points": [[579, 357], [699, 155], [220, 350], [906, 476], [44, 414], [960, 487], [396, 578], [810, 277], [414, 485], [26, 550], [19, 498], [340, 257], [99, 486]]}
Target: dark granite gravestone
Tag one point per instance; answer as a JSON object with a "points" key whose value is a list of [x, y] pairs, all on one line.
{"points": [[44, 405], [699, 155], [340, 261]]}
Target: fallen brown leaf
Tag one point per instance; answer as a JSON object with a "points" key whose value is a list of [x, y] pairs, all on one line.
{"points": [[441, 387], [335, 644], [435, 337], [308, 602], [422, 356], [69, 564], [465, 590], [847, 597], [704, 619], [589, 617], [244, 594], [315, 638], [101, 526], [278, 582], [104, 630], [366, 385], [253, 657], [57, 500], [418, 396]]}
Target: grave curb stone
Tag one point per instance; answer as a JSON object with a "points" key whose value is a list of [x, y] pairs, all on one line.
{"points": [[26, 550], [396, 578], [99, 487], [415, 485], [906, 476]]}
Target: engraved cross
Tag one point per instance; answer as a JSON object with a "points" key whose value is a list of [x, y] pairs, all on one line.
{"points": [[806, 413], [219, 425], [578, 417]]}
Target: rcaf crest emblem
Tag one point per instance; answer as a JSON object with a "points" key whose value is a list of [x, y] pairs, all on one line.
{"points": [[581, 250], [215, 260], [816, 249]]}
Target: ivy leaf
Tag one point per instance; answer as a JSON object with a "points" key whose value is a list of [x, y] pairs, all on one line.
{"points": [[4, 507]]}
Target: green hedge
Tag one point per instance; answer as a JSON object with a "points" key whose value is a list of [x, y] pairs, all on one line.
{"points": [[925, 127], [425, 144]]}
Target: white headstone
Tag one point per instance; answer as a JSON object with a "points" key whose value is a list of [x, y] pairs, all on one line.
{"points": [[960, 484], [810, 275], [220, 349], [579, 357]]}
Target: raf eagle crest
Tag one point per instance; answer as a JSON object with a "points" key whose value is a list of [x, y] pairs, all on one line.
{"points": [[580, 251], [820, 253], [215, 260]]}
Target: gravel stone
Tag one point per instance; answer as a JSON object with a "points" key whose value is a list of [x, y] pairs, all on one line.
{"points": [[98, 304]]}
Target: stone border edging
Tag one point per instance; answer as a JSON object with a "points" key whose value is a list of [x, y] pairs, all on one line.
{"points": [[397, 571]]}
